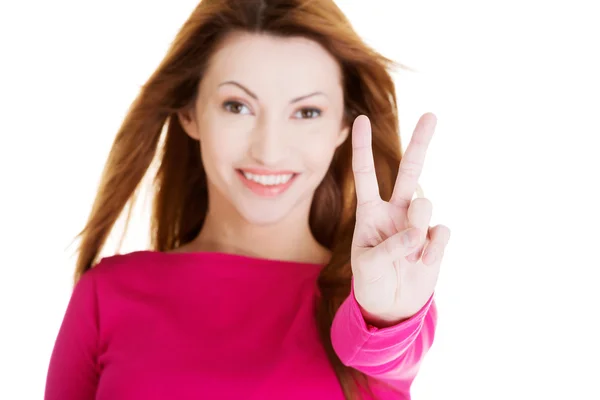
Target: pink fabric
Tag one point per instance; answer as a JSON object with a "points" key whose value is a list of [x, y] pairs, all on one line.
{"points": [[150, 325]]}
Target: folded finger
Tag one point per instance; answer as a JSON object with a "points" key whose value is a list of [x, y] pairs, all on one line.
{"points": [[440, 235]]}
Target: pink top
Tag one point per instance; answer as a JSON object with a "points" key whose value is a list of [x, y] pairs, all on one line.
{"points": [[151, 325]]}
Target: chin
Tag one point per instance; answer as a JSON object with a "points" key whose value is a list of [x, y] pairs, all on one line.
{"points": [[263, 216]]}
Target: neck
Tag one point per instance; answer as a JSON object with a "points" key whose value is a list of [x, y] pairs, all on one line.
{"points": [[288, 240]]}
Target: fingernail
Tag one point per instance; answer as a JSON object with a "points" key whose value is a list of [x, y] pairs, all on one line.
{"points": [[410, 238], [414, 257], [429, 257]]}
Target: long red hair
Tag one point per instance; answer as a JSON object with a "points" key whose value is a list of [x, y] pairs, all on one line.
{"points": [[180, 200]]}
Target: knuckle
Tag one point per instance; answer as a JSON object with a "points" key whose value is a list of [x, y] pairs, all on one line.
{"points": [[445, 230], [420, 210], [363, 169], [365, 207], [410, 168], [441, 234], [422, 203]]}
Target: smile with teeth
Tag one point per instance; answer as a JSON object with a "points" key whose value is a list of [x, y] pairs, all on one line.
{"points": [[268, 180]]}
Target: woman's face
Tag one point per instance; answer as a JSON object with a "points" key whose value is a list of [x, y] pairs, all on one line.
{"points": [[269, 119]]}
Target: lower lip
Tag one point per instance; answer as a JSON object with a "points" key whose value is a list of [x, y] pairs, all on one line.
{"points": [[263, 190]]}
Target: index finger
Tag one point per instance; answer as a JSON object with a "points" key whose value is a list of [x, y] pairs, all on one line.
{"points": [[363, 165], [412, 161]]}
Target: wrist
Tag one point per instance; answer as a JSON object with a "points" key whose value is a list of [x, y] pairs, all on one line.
{"points": [[381, 321]]}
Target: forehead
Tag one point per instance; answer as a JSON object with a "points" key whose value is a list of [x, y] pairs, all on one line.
{"points": [[290, 64]]}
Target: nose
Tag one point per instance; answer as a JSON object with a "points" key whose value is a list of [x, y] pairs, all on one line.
{"points": [[269, 146]]}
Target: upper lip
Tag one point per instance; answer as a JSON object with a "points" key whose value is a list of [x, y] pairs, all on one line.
{"points": [[262, 171]]}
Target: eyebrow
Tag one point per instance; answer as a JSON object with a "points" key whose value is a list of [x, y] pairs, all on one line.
{"points": [[255, 97]]}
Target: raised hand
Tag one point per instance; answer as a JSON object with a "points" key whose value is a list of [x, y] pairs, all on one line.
{"points": [[393, 277]]}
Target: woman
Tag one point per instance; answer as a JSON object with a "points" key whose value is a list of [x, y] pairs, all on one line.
{"points": [[277, 270]]}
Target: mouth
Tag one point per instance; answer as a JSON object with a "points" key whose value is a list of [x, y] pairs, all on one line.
{"points": [[267, 184]]}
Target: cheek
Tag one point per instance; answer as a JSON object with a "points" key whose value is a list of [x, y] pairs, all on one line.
{"points": [[221, 146], [318, 155]]}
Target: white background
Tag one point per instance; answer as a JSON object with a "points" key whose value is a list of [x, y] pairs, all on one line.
{"points": [[512, 171]]}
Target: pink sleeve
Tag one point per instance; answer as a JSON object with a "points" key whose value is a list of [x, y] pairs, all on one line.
{"points": [[391, 355], [72, 373]]}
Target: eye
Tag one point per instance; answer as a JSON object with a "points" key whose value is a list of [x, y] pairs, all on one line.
{"points": [[236, 107], [308, 113]]}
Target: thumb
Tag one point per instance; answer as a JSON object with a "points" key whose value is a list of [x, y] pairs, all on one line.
{"points": [[399, 245], [392, 249]]}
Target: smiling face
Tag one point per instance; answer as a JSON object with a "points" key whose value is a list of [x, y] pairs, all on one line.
{"points": [[268, 116]]}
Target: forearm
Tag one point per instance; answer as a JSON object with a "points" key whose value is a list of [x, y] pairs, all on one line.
{"points": [[391, 352]]}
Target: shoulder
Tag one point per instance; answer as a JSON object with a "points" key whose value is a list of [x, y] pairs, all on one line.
{"points": [[127, 267], [120, 261]]}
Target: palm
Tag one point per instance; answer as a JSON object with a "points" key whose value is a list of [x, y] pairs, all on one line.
{"points": [[386, 283]]}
